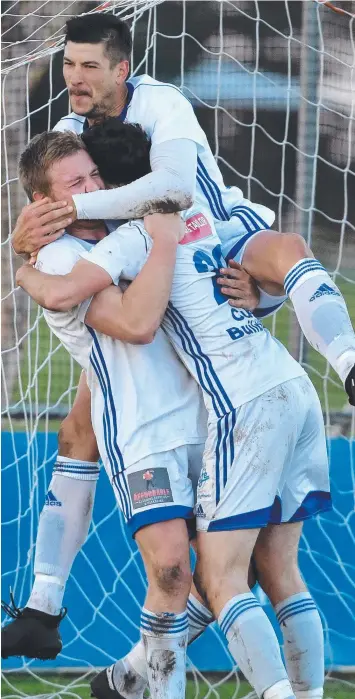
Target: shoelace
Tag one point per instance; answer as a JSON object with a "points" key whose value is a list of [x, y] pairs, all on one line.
{"points": [[15, 612], [11, 609]]}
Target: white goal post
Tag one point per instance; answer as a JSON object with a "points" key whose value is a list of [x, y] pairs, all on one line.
{"points": [[273, 86]]}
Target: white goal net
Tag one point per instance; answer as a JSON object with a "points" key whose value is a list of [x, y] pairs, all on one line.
{"points": [[273, 86]]}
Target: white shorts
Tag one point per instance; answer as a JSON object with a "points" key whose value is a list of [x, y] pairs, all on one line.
{"points": [[266, 462], [159, 487]]}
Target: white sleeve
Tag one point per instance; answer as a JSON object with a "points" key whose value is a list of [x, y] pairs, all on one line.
{"points": [[122, 253], [67, 326], [169, 187], [171, 116]]}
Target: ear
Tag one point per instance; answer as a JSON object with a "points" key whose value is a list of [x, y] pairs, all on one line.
{"points": [[122, 72], [37, 196]]}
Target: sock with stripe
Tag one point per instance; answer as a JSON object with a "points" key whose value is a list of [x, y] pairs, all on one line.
{"points": [[165, 641], [62, 530], [133, 665], [302, 632], [322, 314], [253, 644]]}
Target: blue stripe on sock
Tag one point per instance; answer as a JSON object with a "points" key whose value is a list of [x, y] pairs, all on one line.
{"points": [[303, 268], [295, 608], [197, 613], [235, 611]]}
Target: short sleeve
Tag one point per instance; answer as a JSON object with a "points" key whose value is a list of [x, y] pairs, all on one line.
{"points": [[172, 116], [122, 253]]}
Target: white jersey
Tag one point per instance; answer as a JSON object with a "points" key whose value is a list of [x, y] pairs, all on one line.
{"points": [[143, 399], [228, 351], [166, 114]]}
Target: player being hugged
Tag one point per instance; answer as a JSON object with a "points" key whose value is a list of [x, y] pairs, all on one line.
{"points": [[265, 465]]}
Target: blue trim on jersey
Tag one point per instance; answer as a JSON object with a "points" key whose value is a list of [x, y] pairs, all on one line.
{"points": [[299, 271], [263, 312], [158, 514], [130, 89], [108, 436], [214, 191], [253, 217], [110, 427], [316, 501], [276, 512], [197, 353], [207, 376], [246, 520], [231, 255]]}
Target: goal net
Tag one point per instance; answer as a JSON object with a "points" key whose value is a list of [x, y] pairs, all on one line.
{"points": [[272, 84]]}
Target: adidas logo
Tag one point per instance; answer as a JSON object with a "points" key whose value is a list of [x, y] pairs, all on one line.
{"points": [[52, 500], [199, 511], [324, 290]]}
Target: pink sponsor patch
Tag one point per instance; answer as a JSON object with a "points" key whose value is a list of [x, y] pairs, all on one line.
{"points": [[196, 227]]}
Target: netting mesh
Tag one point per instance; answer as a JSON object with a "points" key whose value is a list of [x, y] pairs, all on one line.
{"points": [[272, 84]]}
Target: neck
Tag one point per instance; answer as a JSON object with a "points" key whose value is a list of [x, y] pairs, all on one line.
{"points": [[88, 230], [116, 109]]}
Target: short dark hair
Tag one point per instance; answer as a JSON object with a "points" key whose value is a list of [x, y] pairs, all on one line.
{"points": [[42, 151], [107, 28], [120, 150]]}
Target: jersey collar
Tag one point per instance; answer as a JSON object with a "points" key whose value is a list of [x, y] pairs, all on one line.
{"points": [[122, 116]]}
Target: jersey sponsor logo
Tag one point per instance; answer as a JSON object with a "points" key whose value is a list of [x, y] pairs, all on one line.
{"points": [[51, 500], [324, 290], [251, 326], [199, 511], [196, 228], [150, 487]]}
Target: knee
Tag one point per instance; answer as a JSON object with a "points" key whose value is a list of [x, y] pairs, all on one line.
{"points": [[172, 575], [292, 247]]}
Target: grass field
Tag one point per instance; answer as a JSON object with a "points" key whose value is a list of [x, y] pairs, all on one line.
{"points": [[49, 376], [69, 686]]}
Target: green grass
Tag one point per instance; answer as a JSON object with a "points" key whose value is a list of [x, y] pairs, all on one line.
{"points": [[71, 686], [49, 377]]}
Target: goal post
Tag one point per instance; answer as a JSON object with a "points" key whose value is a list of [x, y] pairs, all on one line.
{"points": [[272, 84]]}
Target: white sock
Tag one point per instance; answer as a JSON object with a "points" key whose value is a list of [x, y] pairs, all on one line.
{"points": [[253, 644], [129, 675], [302, 631], [165, 641], [62, 530], [322, 314], [199, 617]]}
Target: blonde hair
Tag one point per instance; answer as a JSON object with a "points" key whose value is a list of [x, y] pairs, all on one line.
{"points": [[42, 151]]}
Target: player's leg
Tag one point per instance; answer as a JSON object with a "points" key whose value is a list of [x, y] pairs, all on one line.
{"points": [[222, 576], [62, 530], [286, 259], [304, 493], [276, 556], [158, 499], [238, 497]]}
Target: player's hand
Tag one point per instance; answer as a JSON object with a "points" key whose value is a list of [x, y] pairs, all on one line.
{"points": [[165, 226], [40, 223], [239, 286]]}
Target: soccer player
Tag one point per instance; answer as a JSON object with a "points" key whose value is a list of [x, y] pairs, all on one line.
{"points": [[251, 479], [183, 170], [147, 414]]}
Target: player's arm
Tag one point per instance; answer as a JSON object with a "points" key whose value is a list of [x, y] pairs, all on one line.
{"points": [[135, 315], [57, 292], [170, 187], [175, 134]]}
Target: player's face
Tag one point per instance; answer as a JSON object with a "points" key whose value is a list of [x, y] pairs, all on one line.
{"points": [[93, 84], [75, 174]]}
